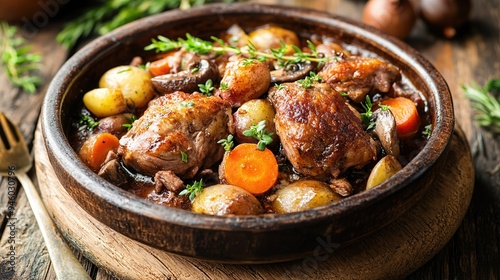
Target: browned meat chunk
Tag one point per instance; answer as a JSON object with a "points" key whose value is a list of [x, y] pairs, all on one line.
{"points": [[318, 131], [168, 179], [178, 132], [358, 76]]}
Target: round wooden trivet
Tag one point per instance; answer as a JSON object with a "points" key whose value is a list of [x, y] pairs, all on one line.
{"points": [[391, 253]]}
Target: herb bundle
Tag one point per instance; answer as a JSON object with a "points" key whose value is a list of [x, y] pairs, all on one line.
{"points": [[18, 61], [486, 102], [105, 16]]}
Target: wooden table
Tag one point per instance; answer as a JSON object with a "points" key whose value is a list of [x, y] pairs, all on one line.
{"points": [[474, 56]]}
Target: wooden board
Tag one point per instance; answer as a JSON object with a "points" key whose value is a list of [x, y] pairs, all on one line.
{"points": [[391, 253]]}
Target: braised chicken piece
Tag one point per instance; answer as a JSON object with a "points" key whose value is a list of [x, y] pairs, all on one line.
{"points": [[358, 76], [178, 132], [320, 134]]}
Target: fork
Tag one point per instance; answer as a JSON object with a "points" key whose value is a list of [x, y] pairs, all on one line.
{"points": [[15, 160]]}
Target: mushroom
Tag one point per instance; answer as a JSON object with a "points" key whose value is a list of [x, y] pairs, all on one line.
{"points": [[292, 72], [198, 72], [386, 131]]}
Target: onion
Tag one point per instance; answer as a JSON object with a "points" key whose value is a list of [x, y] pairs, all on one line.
{"points": [[445, 16], [394, 17]]}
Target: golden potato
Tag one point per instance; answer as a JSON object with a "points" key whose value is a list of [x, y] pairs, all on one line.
{"points": [[251, 113], [271, 37], [104, 102], [226, 200], [244, 80], [134, 83], [303, 195], [383, 170]]}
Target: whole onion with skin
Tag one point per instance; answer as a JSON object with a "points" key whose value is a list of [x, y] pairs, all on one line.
{"points": [[445, 16], [394, 17]]}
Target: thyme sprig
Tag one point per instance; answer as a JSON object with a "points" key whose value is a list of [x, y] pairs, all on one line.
{"points": [[107, 15], [193, 190], [367, 116], [227, 143], [18, 60], [258, 131], [486, 102], [87, 122], [218, 46]]}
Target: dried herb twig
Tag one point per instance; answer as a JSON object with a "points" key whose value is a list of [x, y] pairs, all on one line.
{"points": [[18, 60]]}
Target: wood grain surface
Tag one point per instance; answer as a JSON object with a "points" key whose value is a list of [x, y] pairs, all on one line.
{"points": [[391, 253], [472, 253]]}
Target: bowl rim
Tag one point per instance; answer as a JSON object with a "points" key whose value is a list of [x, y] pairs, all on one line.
{"points": [[56, 141]]}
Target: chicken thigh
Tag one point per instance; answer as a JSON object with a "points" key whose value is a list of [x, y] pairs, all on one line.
{"points": [[320, 134], [178, 133]]}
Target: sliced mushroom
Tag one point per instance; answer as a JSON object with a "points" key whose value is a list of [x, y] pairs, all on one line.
{"points": [[292, 72], [386, 131], [198, 72]]}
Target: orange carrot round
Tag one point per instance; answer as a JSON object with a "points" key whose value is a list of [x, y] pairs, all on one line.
{"points": [[160, 67], [96, 148], [406, 114], [249, 168]]}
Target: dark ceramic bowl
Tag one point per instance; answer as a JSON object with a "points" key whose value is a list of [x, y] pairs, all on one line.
{"points": [[244, 239]]}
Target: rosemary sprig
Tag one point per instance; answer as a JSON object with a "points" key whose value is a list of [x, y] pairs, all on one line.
{"points": [[486, 102], [18, 61], [105, 16], [200, 46]]}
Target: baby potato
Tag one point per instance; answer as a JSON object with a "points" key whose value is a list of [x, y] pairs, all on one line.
{"points": [[271, 37], [225, 200], [303, 195], [243, 80], [134, 83], [383, 170], [104, 102], [251, 113]]}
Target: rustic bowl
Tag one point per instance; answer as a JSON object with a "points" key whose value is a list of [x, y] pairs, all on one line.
{"points": [[246, 239]]}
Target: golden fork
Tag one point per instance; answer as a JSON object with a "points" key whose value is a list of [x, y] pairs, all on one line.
{"points": [[15, 160]]}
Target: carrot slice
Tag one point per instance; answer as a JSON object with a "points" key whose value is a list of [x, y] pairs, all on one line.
{"points": [[163, 65], [249, 168], [406, 114], [96, 148]]}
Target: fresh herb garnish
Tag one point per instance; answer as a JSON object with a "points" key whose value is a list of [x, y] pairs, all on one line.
{"points": [[227, 143], [223, 86], [184, 157], [187, 104], [18, 61], [258, 132], [207, 88], [308, 81], [124, 70], [193, 190], [486, 102], [200, 46], [104, 16], [427, 131], [366, 117], [132, 119], [87, 122], [278, 86]]}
